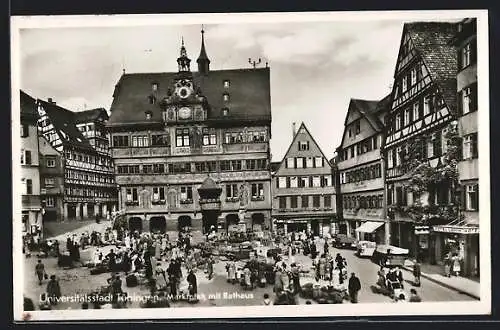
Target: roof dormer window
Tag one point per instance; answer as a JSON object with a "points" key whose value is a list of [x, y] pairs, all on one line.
{"points": [[154, 87], [225, 111], [148, 115], [225, 97], [226, 83]]}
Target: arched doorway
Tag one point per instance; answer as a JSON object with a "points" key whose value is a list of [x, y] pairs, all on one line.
{"points": [[257, 222], [135, 224], [183, 221], [209, 219], [232, 221], [158, 224]]}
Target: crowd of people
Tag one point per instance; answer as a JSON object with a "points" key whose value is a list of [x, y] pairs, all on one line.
{"points": [[169, 267], [149, 256]]}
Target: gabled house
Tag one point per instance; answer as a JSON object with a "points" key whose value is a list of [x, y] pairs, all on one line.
{"points": [[361, 171], [302, 188]]}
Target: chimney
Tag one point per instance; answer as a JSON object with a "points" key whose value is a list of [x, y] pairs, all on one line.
{"points": [[50, 101], [293, 130]]}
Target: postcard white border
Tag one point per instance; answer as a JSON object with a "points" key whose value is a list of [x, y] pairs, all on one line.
{"points": [[483, 306]]}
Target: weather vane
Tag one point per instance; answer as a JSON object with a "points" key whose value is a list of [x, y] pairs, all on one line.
{"points": [[254, 63]]}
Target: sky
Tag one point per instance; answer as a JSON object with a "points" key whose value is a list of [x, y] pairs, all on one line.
{"points": [[316, 67]]}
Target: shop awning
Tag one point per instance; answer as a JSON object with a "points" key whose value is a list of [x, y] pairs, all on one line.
{"points": [[369, 227], [457, 227]]}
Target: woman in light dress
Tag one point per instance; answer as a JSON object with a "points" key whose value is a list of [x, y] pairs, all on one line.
{"points": [[455, 262], [247, 275], [285, 279], [231, 272]]}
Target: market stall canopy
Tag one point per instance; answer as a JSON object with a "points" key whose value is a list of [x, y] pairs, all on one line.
{"points": [[369, 227], [394, 250]]}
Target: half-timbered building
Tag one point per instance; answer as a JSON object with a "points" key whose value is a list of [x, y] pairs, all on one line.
{"points": [[191, 149], [303, 190], [361, 171], [88, 180], [423, 104], [92, 124]]}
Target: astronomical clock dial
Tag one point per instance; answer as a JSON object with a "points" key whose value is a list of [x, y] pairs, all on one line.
{"points": [[184, 88], [184, 92], [185, 113]]}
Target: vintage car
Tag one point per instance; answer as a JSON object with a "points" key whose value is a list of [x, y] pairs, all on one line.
{"points": [[344, 241], [366, 248], [390, 256]]}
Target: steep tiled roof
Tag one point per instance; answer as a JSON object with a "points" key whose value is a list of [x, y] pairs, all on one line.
{"points": [[90, 115], [432, 40], [274, 166], [368, 109], [384, 104], [64, 121], [249, 92], [28, 107]]}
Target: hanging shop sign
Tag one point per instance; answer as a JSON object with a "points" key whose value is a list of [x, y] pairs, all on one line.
{"points": [[456, 229], [422, 230]]}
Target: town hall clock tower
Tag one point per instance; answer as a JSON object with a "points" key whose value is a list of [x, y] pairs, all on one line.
{"points": [[184, 101]]}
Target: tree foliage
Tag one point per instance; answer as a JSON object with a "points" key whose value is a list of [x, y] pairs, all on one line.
{"points": [[426, 179]]}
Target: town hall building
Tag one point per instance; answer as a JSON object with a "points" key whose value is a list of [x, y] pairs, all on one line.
{"points": [[191, 149]]}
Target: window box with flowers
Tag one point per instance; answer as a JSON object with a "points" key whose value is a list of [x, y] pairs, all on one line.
{"points": [[232, 199], [186, 201], [132, 203], [158, 202], [257, 198]]}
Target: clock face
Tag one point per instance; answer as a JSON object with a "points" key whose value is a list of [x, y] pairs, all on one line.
{"points": [[184, 113], [184, 92]]}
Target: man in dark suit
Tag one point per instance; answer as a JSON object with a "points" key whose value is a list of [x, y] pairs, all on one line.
{"points": [[354, 287]]}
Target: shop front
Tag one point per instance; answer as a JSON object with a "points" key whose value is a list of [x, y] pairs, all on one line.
{"points": [[458, 240], [403, 236]]}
